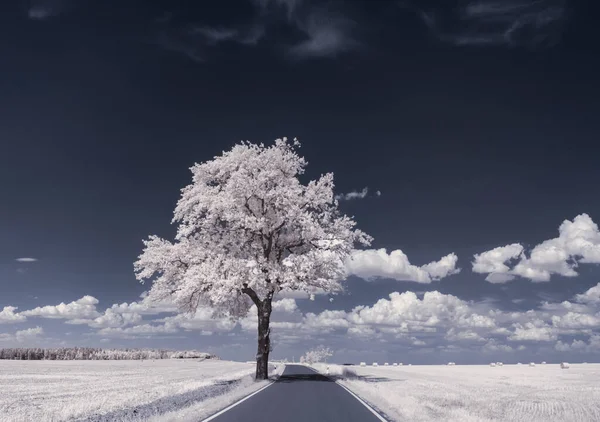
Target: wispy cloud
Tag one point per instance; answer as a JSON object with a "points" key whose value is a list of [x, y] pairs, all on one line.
{"points": [[41, 10], [311, 31], [352, 195], [355, 195], [326, 35], [531, 23], [26, 259]]}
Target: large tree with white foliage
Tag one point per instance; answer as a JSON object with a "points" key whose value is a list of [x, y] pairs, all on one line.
{"points": [[248, 228]]}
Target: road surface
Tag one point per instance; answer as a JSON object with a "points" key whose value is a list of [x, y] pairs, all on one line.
{"points": [[300, 395]]}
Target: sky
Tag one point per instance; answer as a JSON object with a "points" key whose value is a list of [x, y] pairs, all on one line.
{"points": [[462, 136]]}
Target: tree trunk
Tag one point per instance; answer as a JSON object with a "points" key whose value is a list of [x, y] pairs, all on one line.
{"points": [[264, 341]]}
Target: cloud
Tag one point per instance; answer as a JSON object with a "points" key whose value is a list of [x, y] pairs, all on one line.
{"points": [[311, 31], [372, 264], [139, 331], [8, 316], [22, 336], [531, 332], [429, 320], [325, 35], [29, 334], [531, 23], [124, 314], [84, 308], [213, 36], [41, 10], [578, 243], [40, 13], [591, 296], [352, 195], [493, 262], [26, 259]]}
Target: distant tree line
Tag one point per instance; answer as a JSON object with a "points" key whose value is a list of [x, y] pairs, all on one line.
{"points": [[90, 353]]}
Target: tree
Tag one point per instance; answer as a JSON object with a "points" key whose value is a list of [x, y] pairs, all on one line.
{"points": [[316, 355], [247, 230]]}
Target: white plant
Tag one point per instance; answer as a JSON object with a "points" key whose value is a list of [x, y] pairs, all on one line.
{"points": [[316, 355], [248, 229]]}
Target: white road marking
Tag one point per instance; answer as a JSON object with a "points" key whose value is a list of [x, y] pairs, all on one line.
{"points": [[361, 401], [373, 411], [210, 418]]}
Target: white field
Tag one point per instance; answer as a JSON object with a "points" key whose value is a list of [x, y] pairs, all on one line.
{"points": [[544, 393], [119, 390]]}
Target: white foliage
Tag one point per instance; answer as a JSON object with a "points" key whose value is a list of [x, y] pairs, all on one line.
{"points": [[248, 225], [316, 355]]}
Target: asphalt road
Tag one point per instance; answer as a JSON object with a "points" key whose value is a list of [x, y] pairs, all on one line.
{"points": [[300, 395]]}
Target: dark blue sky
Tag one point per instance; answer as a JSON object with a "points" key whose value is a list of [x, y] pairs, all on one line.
{"points": [[477, 123]]}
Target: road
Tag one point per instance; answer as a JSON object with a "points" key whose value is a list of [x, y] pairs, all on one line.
{"points": [[300, 395]]}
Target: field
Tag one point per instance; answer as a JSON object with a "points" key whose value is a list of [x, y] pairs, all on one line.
{"points": [[119, 390], [543, 393]]}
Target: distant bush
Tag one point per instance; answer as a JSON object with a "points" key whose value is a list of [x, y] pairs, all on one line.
{"points": [[316, 355], [90, 353]]}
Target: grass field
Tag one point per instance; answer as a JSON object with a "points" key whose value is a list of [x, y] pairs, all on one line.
{"points": [[543, 393], [117, 390]]}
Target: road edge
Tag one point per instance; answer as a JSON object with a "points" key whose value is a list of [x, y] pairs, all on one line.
{"points": [[370, 407], [231, 406]]}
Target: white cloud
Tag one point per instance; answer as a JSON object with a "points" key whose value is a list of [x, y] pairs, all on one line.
{"points": [[22, 336], [26, 259], [353, 195], [371, 264], [84, 308], [8, 315], [531, 331], [591, 296], [578, 243], [28, 334], [202, 320], [493, 262]]}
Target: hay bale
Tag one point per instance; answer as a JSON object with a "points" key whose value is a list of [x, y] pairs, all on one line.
{"points": [[531, 364], [499, 364], [493, 364], [375, 364], [565, 365], [363, 364], [394, 364], [400, 364], [543, 363], [386, 364]]}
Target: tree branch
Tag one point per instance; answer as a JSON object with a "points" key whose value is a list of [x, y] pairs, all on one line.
{"points": [[248, 290]]}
